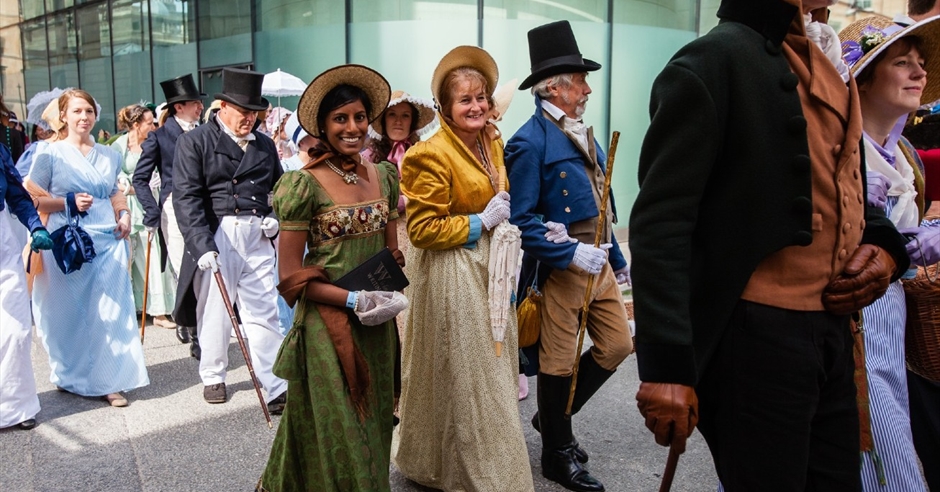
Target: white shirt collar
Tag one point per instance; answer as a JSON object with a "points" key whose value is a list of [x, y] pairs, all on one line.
{"points": [[553, 110], [228, 131], [186, 125]]}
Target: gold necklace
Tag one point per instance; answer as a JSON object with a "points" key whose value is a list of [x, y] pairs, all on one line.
{"points": [[350, 178]]}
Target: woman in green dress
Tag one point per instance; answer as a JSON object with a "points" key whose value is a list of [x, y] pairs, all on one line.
{"points": [[336, 430]]}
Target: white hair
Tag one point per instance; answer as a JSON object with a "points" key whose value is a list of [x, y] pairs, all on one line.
{"points": [[541, 89]]}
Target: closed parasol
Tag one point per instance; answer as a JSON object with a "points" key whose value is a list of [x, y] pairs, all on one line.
{"points": [[505, 245]]}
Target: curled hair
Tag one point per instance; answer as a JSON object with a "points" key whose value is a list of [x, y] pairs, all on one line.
{"points": [[339, 96], [448, 86], [128, 116], [381, 148], [561, 80]]}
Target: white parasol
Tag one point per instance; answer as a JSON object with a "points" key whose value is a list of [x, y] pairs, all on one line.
{"points": [[282, 84], [505, 245], [37, 104]]}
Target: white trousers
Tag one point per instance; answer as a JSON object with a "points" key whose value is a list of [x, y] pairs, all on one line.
{"points": [[172, 235], [18, 400], [246, 260]]}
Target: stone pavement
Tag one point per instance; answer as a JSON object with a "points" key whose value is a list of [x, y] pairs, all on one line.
{"points": [[169, 439]]}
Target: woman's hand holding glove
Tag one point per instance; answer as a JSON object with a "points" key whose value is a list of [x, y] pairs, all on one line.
{"points": [[558, 233], [378, 306], [589, 258], [41, 240], [496, 211], [924, 249]]}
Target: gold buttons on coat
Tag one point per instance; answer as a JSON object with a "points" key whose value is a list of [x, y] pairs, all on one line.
{"points": [[563, 175], [568, 210], [564, 192]]}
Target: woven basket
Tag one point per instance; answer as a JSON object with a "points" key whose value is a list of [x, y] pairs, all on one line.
{"points": [[923, 323]]}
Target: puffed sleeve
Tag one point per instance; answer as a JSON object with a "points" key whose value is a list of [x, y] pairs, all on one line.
{"points": [[41, 171], [295, 200], [391, 184], [426, 182]]}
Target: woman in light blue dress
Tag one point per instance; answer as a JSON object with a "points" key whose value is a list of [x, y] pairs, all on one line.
{"points": [[86, 318]]}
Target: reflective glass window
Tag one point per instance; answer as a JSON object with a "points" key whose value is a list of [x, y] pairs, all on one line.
{"points": [[300, 38], [94, 65], [63, 63], [224, 32], [31, 8], [405, 39], [672, 14], [130, 35], [53, 5], [11, 72], [35, 61], [174, 40]]}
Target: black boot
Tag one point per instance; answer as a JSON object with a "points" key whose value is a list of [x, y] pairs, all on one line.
{"points": [[195, 350], [559, 463], [591, 377], [182, 334]]}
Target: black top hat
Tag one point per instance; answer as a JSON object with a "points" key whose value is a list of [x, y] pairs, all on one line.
{"points": [[553, 50], [243, 88], [180, 89]]}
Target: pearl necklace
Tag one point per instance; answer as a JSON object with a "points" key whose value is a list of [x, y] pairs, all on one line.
{"points": [[350, 178]]}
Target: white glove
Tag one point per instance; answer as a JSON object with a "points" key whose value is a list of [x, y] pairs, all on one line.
{"points": [[209, 261], [151, 229], [496, 211], [270, 226], [377, 307], [591, 259], [558, 233], [623, 276]]}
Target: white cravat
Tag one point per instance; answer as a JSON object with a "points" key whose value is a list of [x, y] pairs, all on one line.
{"points": [[573, 127], [186, 125], [241, 141]]}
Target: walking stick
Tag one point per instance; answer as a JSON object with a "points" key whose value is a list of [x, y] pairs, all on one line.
{"points": [[241, 344], [143, 313], [601, 222], [670, 470]]}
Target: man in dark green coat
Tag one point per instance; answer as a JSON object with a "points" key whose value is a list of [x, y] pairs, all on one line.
{"points": [[752, 248]]}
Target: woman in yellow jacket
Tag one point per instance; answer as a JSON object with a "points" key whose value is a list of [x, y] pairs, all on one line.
{"points": [[459, 425]]}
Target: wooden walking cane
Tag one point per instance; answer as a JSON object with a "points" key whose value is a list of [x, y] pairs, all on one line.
{"points": [[241, 344], [670, 470], [143, 313], [601, 222]]}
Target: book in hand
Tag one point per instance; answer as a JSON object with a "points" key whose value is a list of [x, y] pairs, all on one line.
{"points": [[380, 272]]}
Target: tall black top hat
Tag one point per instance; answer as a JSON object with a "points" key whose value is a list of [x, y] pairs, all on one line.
{"points": [[553, 50], [181, 89], [243, 88]]}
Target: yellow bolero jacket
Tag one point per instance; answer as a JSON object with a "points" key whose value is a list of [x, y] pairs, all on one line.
{"points": [[444, 184]]}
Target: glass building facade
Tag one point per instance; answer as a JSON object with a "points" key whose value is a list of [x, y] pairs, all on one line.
{"points": [[119, 50]]}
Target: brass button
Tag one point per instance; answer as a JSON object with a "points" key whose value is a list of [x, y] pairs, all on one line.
{"points": [[235, 181], [563, 175], [837, 150], [842, 254], [564, 192], [846, 228], [236, 210], [568, 210]]}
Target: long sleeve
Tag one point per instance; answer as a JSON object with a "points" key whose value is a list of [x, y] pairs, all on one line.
{"points": [[150, 160], [427, 181], [190, 197]]}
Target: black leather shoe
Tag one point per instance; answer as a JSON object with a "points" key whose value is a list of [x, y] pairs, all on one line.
{"points": [[27, 424], [195, 350], [276, 406], [182, 334], [579, 453], [560, 466]]}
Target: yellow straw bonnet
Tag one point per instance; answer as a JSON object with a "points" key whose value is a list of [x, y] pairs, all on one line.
{"points": [[465, 56], [371, 82]]}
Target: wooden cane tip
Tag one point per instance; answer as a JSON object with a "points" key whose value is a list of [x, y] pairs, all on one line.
{"points": [[499, 349], [270, 425]]}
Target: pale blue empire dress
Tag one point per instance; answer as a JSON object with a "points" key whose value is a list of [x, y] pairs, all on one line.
{"points": [[86, 319]]}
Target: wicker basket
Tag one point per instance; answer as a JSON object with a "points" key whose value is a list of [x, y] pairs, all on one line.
{"points": [[923, 323]]}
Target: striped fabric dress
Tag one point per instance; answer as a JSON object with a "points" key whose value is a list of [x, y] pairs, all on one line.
{"points": [[884, 324], [86, 319]]}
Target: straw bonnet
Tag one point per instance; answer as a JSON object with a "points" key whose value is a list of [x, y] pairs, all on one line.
{"points": [[371, 82], [864, 40], [426, 114], [465, 56]]}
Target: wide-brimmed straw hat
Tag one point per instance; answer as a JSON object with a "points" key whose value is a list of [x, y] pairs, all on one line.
{"points": [[426, 114], [465, 56], [371, 82], [864, 40]]}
